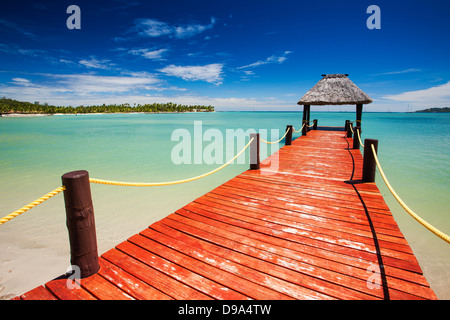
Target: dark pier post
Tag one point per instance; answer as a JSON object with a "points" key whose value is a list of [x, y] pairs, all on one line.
{"points": [[254, 151], [315, 124], [305, 119], [359, 108], [356, 130], [80, 222], [348, 128], [288, 139], [369, 164]]}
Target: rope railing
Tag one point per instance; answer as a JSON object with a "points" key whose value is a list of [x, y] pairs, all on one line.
{"points": [[31, 205], [262, 140], [300, 129], [436, 231], [314, 121], [154, 184], [357, 133], [117, 183]]}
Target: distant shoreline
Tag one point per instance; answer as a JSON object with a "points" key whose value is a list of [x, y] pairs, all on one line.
{"points": [[24, 115]]}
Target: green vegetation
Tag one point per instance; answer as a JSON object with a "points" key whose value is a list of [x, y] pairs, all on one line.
{"points": [[14, 106], [435, 110]]}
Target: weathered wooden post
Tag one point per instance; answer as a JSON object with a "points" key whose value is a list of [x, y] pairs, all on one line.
{"points": [[305, 128], [254, 151], [359, 108], [348, 128], [315, 124], [80, 222], [369, 164], [288, 139], [356, 130]]}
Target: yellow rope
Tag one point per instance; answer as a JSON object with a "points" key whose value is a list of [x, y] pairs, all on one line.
{"points": [[359, 137], [31, 205], [153, 184], [311, 125], [437, 232], [262, 140], [351, 125], [300, 129]]}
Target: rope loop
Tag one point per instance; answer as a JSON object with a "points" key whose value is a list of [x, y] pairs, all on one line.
{"points": [[262, 140], [424, 223], [300, 129]]}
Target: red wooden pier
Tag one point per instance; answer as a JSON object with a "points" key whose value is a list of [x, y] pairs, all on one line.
{"points": [[311, 230]]}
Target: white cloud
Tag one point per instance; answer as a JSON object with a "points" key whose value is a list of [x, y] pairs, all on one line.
{"points": [[439, 95], [95, 63], [68, 88], [269, 60], [210, 73], [149, 54], [155, 28], [21, 81], [398, 72]]}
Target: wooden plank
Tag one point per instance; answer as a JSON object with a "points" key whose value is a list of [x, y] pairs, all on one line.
{"points": [[103, 289], [62, 291], [128, 283], [307, 276], [153, 277], [39, 293], [226, 276], [273, 246]]}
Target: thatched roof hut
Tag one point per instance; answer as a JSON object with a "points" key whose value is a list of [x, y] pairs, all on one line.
{"points": [[334, 89]]}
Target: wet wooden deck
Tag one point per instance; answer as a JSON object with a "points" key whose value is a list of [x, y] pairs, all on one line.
{"points": [[308, 230]]}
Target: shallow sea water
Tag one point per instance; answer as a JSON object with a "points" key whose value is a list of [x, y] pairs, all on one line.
{"points": [[36, 152]]}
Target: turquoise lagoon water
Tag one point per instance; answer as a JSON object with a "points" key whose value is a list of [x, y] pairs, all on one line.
{"points": [[35, 152]]}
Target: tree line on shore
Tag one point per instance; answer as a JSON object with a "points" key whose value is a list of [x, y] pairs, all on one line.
{"points": [[14, 106]]}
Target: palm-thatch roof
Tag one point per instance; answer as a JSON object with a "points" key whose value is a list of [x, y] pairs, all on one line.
{"points": [[335, 89]]}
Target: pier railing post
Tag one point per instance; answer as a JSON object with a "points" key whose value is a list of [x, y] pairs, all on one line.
{"points": [[315, 124], [356, 130], [288, 139], [305, 128], [369, 164], [254, 152], [348, 128], [81, 222]]}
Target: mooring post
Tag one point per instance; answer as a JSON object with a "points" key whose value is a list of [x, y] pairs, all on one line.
{"points": [[315, 124], [288, 139], [254, 151], [305, 128], [348, 128], [356, 130], [369, 164], [81, 222]]}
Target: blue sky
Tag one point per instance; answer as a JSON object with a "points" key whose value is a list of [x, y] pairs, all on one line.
{"points": [[234, 55]]}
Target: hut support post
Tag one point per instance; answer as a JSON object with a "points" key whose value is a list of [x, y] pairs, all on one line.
{"points": [[254, 152], [358, 114], [308, 116], [80, 222], [288, 139], [369, 164], [305, 119]]}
